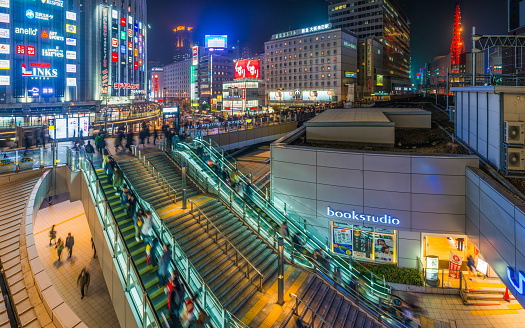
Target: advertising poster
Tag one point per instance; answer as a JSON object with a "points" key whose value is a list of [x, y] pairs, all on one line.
{"points": [[454, 266], [61, 129], [432, 265], [342, 240], [315, 95], [72, 130], [384, 247], [363, 241], [84, 125], [482, 266]]}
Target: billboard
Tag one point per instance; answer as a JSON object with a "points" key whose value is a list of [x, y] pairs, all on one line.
{"points": [[216, 41], [247, 69], [316, 95], [281, 95]]}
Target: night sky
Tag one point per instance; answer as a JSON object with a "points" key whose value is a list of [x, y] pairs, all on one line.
{"points": [[255, 22]]}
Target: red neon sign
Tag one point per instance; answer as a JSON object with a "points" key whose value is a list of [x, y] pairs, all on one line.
{"points": [[114, 56], [20, 50], [247, 69], [156, 83], [40, 65], [114, 42], [122, 21], [31, 51], [126, 86]]}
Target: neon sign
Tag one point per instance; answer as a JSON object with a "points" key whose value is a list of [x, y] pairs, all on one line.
{"points": [[520, 285], [59, 3], [126, 86], [71, 28], [385, 219], [25, 31], [37, 71]]}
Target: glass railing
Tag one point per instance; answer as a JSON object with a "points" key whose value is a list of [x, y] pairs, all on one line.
{"points": [[28, 159], [305, 249], [218, 315]]}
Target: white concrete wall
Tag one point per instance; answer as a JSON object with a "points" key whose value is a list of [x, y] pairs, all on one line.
{"points": [[425, 192], [496, 225]]}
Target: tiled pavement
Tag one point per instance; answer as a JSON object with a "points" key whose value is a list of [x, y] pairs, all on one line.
{"points": [[96, 309]]}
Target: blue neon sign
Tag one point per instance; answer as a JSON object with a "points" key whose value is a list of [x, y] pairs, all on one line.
{"points": [[385, 219], [520, 285]]}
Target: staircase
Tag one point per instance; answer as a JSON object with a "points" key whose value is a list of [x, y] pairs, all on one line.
{"points": [[335, 310], [13, 202], [481, 297], [228, 281], [137, 250]]}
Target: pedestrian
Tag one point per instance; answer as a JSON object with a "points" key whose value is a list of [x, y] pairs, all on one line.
{"points": [[83, 280], [154, 259], [105, 158], [43, 138], [118, 180], [129, 141], [147, 225], [52, 235], [110, 170], [60, 247], [164, 261], [471, 264], [148, 253], [137, 222], [131, 204], [70, 241], [173, 295], [186, 315], [155, 135], [285, 231], [90, 150], [93, 247]]}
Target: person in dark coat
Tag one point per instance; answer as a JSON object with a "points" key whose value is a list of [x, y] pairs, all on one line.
{"points": [[70, 241], [83, 281]]}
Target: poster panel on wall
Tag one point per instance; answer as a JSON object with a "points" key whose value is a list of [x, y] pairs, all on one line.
{"points": [[61, 128], [454, 266], [84, 125], [317, 95], [384, 245], [72, 130], [363, 241], [342, 240]]}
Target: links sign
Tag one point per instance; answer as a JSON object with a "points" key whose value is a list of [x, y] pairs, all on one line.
{"points": [[385, 219]]}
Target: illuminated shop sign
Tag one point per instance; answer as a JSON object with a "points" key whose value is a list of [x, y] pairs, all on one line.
{"points": [[4, 3], [122, 35], [71, 42], [302, 31], [130, 33], [247, 69], [195, 55], [114, 14], [385, 219], [58, 3], [350, 74], [71, 54], [216, 41], [114, 42], [44, 34], [114, 56], [58, 53], [71, 28], [122, 49], [39, 71], [126, 86], [4, 18], [4, 33], [5, 80], [136, 52], [122, 21], [35, 92], [136, 27], [24, 31], [104, 50], [71, 82], [130, 45], [30, 14], [71, 68], [71, 16], [130, 19], [5, 49], [21, 50], [519, 285], [136, 65], [55, 36], [5, 64]]}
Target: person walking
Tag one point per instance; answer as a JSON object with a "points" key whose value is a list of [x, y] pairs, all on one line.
{"points": [[137, 222], [90, 151], [52, 235], [285, 231], [105, 158], [186, 316], [70, 241], [83, 281], [110, 170], [471, 264], [60, 247], [155, 136], [118, 181], [93, 247], [147, 225], [131, 204], [164, 261]]}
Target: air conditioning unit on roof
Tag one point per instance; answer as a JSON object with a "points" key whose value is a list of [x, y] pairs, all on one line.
{"points": [[514, 133]]}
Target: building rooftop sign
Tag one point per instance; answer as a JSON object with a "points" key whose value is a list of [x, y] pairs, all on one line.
{"points": [[300, 31]]}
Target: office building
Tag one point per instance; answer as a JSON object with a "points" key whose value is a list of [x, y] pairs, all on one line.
{"points": [[386, 21], [177, 81], [311, 65], [74, 54], [183, 43]]}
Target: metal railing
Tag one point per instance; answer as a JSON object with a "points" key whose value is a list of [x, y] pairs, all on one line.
{"points": [[299, 300], [130, 278], [165, 183], [345, 273], [220, 317], [9, 302], [227, 241], [463, 288]]}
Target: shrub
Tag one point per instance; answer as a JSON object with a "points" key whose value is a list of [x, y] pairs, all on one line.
{"points": [[395, 274]]}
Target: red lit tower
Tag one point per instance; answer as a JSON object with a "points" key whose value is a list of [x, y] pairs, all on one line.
{"points": [[458, 47]]}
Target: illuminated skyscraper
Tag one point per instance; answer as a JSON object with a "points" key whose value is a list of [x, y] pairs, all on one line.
{"points": [[183, 43], [458, 46]]}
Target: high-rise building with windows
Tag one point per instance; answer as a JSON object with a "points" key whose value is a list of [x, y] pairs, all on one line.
{"points": [[183, 43], [384, 20]]}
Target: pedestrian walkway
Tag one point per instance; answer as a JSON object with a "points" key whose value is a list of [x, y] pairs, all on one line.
{"points": [[96, 309], [443, 311]]}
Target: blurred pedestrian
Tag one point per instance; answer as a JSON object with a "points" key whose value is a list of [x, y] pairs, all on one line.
{"points": [[52, 235], [90, 150], [137, 222], [59, 247], [93, 247], [70, 241], [164, 261], [285, 231], [83, 280], [118, 180]]}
